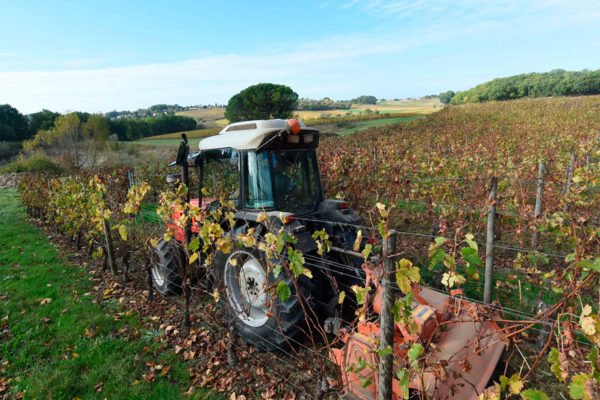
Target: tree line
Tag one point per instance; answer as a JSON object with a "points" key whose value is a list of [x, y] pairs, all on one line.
{"points": [[555, 83], [327, 104], [16, 127]]}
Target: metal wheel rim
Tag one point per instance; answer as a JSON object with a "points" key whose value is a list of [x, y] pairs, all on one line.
{"points": [[245, 288], [158, 271]]}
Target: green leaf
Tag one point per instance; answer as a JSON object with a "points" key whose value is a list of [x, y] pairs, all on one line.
{"points": [[387, 350], [440, 241], [514, 383], [194, 245], [361, 293], [554, 359], [296, 260], [531, 394], [436, 256], [403, 381], [471, 257], [415, 351], [366, 251], [593, 356], [284, 291], [577, 387]]}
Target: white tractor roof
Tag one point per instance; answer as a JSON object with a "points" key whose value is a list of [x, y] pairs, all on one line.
{"points": [[246, 135]]}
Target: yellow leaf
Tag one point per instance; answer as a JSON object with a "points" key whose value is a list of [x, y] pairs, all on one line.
{"points": [[358, 240], [382, 211], [216, 295], [587, 310], [123, 231], [153, 242], [341, 297], [193, 257], [588, 325]]}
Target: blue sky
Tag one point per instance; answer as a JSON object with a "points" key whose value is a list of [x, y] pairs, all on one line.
{"points": [[97, 56]]}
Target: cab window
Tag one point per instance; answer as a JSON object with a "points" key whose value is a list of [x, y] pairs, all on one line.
{"points": [[221, 175]]}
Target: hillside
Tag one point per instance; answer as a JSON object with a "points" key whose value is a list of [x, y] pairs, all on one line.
{"points": [[555, 83]]}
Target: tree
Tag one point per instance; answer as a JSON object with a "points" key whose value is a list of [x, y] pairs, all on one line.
{"points": [[42, 120], [97, 127], [63, 141], [445, 97], [366, 100], [13, 124], [262, 101]]}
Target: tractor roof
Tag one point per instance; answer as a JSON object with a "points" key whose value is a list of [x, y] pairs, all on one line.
{"points": [[247, 135]]}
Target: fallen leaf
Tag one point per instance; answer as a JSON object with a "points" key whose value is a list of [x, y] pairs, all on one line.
{"points": [[45, 301]]}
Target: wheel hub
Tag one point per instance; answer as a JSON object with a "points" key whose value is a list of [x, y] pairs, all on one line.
{"points": [[246, 283]]}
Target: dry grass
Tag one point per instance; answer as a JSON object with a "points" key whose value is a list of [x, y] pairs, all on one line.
{"points": [[388, 107]]}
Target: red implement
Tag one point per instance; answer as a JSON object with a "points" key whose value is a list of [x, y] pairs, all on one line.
{"points": [[461, 350]]}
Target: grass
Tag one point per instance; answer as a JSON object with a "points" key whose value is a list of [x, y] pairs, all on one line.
{"points": [[376, 122], [69, 346]]}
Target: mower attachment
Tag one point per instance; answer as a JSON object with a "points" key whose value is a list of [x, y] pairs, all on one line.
{"points": [[461, 350]]}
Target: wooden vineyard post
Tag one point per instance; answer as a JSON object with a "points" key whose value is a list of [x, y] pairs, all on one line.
{"points": [[538, 202], [568, 177], [149, 281], [109, 244], [489, 244], [386, 339]]}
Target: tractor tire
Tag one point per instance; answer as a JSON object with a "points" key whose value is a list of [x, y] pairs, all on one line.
{"points": [[261, 318], [167, 268]]}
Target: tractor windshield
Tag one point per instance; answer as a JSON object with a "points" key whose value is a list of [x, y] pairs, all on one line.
{"points": [[287, 180]]}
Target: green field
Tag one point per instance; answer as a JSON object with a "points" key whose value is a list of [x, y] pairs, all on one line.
{"points": [[62, 339], [376, 122]]}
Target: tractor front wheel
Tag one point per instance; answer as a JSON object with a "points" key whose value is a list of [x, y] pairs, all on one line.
{"points": [[248, 296]]}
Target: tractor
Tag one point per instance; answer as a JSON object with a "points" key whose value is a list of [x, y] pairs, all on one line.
{"points": [[269, 168]]}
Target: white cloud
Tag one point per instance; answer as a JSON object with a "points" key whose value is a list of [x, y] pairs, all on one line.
{"points": [[326, 64]]}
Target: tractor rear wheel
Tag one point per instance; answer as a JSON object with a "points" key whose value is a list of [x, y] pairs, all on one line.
{"points": [[247, 295], [167, 267]]}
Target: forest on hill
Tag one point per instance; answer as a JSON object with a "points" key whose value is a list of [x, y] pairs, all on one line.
{"points": [[555, 83]]}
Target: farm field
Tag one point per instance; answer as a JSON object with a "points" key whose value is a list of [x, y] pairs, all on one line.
{"points": [[56, 340], [205, 115], [360, 126], [387, 107], [326, 126]]}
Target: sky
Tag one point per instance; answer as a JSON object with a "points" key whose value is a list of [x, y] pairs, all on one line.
{"points": [[103, 55]]}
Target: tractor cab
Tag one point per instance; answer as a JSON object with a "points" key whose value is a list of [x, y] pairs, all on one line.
{"points": [[268, 165]]}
